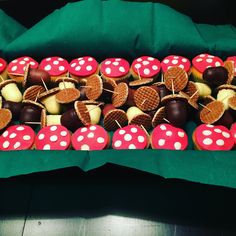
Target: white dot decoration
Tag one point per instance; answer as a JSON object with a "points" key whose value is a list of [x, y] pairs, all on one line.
{"points": [[132, 146], [53, 128], [127, 137], [117, 143], [163, 127], [13, 135], [16, 145], [206, 132], [141, 139], [53, 138], [26, 137], [46, 147], [85, 147], [168, 133], [220, 142], [80, 138], [5, 144], [63, 143], [225, 134], [161, 142], [180, 134], [41, 136], [100, 140], [121, 132], [177, 145], [84, 129], [207, 141]]}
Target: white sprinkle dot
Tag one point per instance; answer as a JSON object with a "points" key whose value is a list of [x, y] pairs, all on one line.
{"points": [[89, 68], [22, 62], [26, 59], [81, 62], [132, 146], [107, 62], [139, 59], [32, 63], [16, 145], [100, 140], [150, 58], [174, 62], [53, 128], [60, 59], [41, 136], [207, 141], [184, 60], [155, 67], [92, 127], [13, 135], [48, 59], [63, 133], [218, 131], [61, 68], [217, 63], [85, 147], [90, 135], [47, 67], [166, 61], [56, 62], [121, 132], [14, 68], [209, 126], [168, 133], [117, 143], [80, 138], [115, 63], [127, 137], [20, 128], [26, 137], [137, 66], [46, 147], [180, 134], [90, 59], [225, 134], [53, 138], [202, 55], [63, 143], [177, 145], [121, 69], [145, 63], [84, 129], [141, 138], [209, 60], [78, 68], [80, 58], [181, 66], [161, 142], [73, 64], [118, 59], [207, 132], [220, 142], [5, 144], [108, 70], [146, 71], [163, 127], [134, 130], [199, 59], [14, 61], [5, 134], [176, 57]]}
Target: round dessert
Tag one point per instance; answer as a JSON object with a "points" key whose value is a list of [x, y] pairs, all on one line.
{"points": [[212, 138], [175, 60], [55, 66], [145, 67], [83, 67], [130, 137], [201, 62], [3, 69], [17, 137], [233, 132], [166, 136], [16, 68], [117, 69], [53, 137], [93, 137]]}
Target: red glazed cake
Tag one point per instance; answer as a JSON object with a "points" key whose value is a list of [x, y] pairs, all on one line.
{"points": [[17, 137], [83, 67], [166, 136], [145, 67], [53, 137], [212, 138], [3, 69], [117, 69], [130, 137], [16, 68], [93, 137], [55, 66]]}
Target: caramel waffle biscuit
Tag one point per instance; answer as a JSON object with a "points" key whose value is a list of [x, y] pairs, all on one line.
{"points": [[120, 95], [158, 117], [229, 65], [5, 117], [33, 92], [67, 95], [82, 112], [94, 86], [144, 120]]}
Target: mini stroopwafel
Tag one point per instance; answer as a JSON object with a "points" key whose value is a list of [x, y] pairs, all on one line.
{"points": [[93, 88], [140, 82], [114, 118], [146, 98], [212, 112], [159, 117], [33, 92], [175, 79], [82, 112], [67, 95], [144, 120], [229, 65], [192, 91], [232, 103], [120, 95], [5, 117]]}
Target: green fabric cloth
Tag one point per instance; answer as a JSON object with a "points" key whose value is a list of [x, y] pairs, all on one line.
{"points": [[9, 30], [119, 28]]}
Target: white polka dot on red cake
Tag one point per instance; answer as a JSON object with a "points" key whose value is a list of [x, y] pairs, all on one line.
{"points": [[17, 137], [174, 60], [93, 137], [166, 136], [203, 61], [17, 66], [54, 137], [213, 137], [54, 65], [115, 67], [130, 137], [146, 66], [84, 67], [3, 65]]}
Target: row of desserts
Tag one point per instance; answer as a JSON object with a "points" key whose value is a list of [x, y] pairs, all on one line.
{"points": [[116, 68], [94, 137]]}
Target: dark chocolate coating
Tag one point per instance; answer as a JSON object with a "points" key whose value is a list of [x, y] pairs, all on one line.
{"points": [[35, 77], [106, 95], [30, 113], [14, 107], [215, 76], [82, 94], [226, 120], [176, 112], [130, 99], [71, 120]]}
